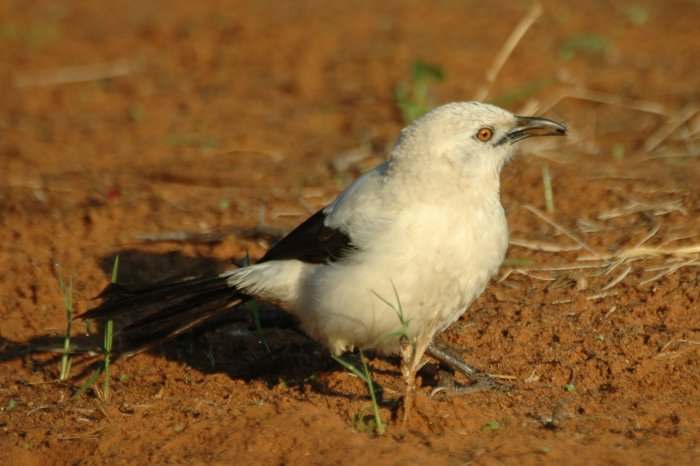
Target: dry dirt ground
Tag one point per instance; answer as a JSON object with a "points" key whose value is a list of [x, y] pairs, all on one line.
{"points": [[229, 121]]}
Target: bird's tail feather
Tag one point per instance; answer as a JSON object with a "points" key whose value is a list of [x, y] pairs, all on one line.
{"points": [[146, 316]]}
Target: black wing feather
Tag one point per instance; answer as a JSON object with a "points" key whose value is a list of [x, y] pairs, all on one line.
{"points": [[311, 242]]}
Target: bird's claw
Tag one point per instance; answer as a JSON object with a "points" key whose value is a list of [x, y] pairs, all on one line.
{"points": [[483, 382]]}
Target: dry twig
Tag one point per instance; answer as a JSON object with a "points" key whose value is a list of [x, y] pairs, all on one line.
{"points": [[76, 74], [508, 46]]}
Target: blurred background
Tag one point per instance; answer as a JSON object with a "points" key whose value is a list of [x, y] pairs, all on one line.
{"points": [[101, 85], [181, 134]]}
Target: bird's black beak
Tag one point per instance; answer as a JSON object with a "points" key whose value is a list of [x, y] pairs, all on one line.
{"points": [[526, 127]]}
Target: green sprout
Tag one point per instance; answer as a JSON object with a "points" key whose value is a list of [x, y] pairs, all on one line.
{"points": [[398, 309], [518, 262], [491, 425], [636, 14], [106, 350], [527, 90], [364, 375], [589, 44], [68, 305], [412, 98]]}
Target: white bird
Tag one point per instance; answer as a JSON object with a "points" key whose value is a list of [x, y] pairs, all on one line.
{"points": [[413, 241]]}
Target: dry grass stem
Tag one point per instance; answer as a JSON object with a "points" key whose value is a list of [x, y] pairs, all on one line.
{"points": [[639, 105], [603, 295], [82, 436], [608, 262], [587, 225], [528, 274], [649, 235], [672, 354], [527, 270], [76, 74], [548, 190], [635, 207], [670, 269], [675, 259], [38, 408], [561, 229], [671, 126], [675, 120], [508, 46], [619, 278], [667, 265], [645, 252], [544, 246]]}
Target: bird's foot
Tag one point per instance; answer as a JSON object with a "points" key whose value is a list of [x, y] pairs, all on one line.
{"points": [[482, 382], [446, 382]]}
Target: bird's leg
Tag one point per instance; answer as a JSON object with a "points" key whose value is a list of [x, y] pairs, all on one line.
{"points": [[412, 353], [482, 381], [408, 371]]}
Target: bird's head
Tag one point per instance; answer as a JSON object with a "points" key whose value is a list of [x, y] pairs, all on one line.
{"points": [[470, 138]]}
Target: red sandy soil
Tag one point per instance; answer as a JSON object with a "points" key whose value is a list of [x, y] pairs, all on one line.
{"points": [[214, 117]]}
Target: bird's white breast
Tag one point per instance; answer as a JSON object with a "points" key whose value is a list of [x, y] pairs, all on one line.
{"points": [[430, 263]]}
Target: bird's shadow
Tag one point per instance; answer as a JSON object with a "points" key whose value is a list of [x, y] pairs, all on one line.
{"points": [[275, 352]]}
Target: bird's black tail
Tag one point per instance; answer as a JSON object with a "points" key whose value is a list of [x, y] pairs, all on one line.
{"points": [[146, 316]]}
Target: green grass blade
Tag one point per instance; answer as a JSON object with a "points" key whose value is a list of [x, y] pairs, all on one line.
{"points": [[88, 383], [517, 262], [64, 371], [108, 336], [115, 268], [350, 367], [384, 300], [365, 376], [381, 428], [109, 327]]}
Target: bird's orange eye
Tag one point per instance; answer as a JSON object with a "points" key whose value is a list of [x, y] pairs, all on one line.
{"points": [[484, 134]]}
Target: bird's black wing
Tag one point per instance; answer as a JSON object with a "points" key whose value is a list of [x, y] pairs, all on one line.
{"points": [[311, 242]]}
